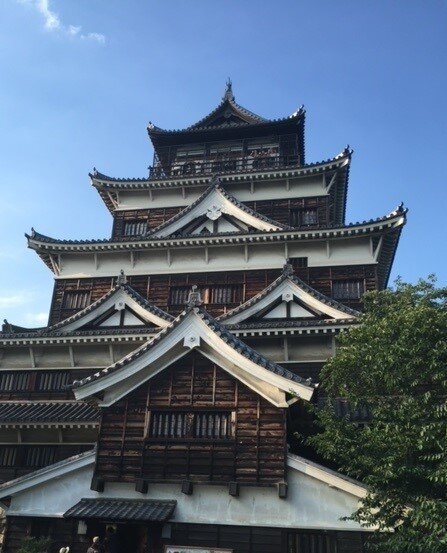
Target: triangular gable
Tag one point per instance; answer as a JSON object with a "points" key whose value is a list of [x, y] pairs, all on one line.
{"points": [[216, 211], [288, 297], [194, 328], [228, 112], [121, 307]]}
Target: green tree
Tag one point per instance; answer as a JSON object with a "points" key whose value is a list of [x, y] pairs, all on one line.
{"points": [[35, 545], [394, 364]]}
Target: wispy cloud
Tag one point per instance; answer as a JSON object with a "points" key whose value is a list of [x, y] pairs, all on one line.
{"points": [[12, 300], [36, 319], [52, 22]]}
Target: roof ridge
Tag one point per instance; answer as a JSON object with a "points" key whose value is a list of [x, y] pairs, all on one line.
{"points": [[287, 274], [235, 342], [216, 185], [146, 304]]}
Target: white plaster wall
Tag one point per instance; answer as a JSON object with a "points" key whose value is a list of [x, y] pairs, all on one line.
{"points": [[310, 503], [347, 251], [298, 187]]}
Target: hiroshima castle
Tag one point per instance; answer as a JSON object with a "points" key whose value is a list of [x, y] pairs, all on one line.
{"points": [[181, 354]]}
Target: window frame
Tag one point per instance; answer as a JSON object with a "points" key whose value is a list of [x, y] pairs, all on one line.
{"points": [[347, 294], [191, 434]]}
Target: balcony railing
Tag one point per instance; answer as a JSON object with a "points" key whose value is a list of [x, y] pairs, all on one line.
{"points": [[222, 165]]}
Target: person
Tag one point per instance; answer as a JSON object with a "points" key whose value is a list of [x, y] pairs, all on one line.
{"points": [[111, 541], [94, 547]]}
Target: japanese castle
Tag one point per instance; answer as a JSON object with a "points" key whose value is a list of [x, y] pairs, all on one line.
{"points": [[163, 397]]}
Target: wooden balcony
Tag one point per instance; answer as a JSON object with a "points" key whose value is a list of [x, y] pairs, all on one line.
{"points": [[221, 165]]}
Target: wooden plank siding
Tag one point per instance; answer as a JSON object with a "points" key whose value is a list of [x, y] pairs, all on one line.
{"points": [[255, 454], [279, 210], [156, 288], [241, 539]]}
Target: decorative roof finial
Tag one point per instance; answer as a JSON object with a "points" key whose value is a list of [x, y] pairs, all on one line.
{"points": [[194, 298], [121, 278], [228, 91], [288, 268]]}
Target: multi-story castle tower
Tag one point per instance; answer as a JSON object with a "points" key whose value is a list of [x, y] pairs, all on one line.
{"points": [[185, 345]]}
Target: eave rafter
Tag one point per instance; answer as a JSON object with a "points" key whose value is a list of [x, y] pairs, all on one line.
{"points": [[45, 245]]}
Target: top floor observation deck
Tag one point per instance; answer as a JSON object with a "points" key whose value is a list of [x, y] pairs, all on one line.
{"points": [[226, 156]]}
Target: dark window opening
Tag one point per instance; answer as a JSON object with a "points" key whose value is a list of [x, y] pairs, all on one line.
{"points": [[76, 300], [40, 456], [189, 425], [14, 382], [347, 289], [310, 542], [52, 381], [303, 217], [298, 262], [222, 294], [8, 456], [135, 228]]}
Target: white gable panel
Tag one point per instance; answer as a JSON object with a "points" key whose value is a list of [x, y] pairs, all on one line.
{"points": [[214, 203], [113, 320], [286, 290], [280, 311], [131, 320], [297, 310]]}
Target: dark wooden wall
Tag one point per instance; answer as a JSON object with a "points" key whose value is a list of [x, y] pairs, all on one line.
{"points": [[156, 287], [242, 539], [279, 210], [256, 454]]}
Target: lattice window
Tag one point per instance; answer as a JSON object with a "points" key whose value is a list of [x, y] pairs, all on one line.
{"points": [[8, 456], [298, 262], [14, 381], [52, 381], [77, 299], [222, 294], [303, 217], [135, 228], [347, 289], [215, 425]]}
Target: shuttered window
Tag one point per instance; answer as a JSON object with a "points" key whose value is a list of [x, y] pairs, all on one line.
{"points": [[311, 542], [222, 294], [347, 289], [14, 381], [188, 425], [303, 217], [77, 299], [135, 228], [52, 381]]}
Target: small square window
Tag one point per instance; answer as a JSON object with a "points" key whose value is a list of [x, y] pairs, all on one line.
{"points": [[347, 289]]}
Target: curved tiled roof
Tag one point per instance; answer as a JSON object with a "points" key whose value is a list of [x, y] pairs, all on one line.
{"points": [[138, 182], [219, 329], [228, 101], [53, 329], [324, 232], [35, 412], [287, 274], [216, 186]]}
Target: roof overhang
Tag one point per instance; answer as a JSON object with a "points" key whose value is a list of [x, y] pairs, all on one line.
{"points": [[287, 288], [194, 329]]}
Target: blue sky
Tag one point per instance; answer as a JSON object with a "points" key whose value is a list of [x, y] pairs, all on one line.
{"points": [[80, 79]]}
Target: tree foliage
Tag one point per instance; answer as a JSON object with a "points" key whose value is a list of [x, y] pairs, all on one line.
{"points": [[35, 545], [395, 365]]}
